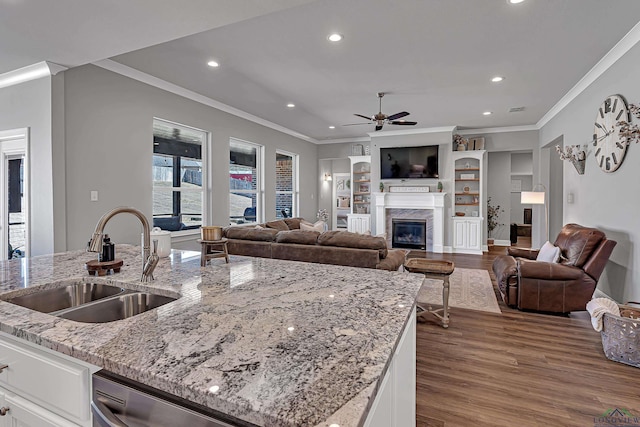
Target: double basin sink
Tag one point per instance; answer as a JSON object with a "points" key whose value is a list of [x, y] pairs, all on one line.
{"points": [[90, 302]]}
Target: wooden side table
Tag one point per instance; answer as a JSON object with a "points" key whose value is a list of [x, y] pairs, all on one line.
{"points": [[433, 269], [213, 249]]}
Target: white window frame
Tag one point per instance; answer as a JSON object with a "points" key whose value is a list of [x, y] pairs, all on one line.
{"points": [[259, 191], [206, 179], [295, 193]]}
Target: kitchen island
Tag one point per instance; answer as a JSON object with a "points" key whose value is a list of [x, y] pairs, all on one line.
{"points": [[268, 342]]}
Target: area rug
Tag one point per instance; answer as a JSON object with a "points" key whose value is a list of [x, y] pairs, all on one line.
{"points": [[469, 288]]}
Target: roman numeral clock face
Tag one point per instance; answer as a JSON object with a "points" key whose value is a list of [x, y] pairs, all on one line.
{"points": [[610, 147]]}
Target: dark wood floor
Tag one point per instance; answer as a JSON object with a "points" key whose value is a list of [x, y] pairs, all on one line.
{"points": [[516, 368]]}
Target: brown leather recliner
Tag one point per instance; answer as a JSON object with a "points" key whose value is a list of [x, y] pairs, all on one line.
{"points": [[555, 287]]}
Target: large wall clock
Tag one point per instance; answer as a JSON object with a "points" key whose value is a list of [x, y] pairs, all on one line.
{"points": [[610, 145]]}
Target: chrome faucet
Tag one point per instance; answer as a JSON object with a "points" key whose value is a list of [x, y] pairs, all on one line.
{"points": [[149, 261]]}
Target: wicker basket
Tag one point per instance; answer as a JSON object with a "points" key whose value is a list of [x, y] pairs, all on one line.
{"points": [[621, 336]]}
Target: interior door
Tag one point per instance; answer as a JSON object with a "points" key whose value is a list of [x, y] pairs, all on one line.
{"points": [[14, 230]]}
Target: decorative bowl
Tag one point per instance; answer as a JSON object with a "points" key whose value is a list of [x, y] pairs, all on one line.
{"points": [[460, 214]]}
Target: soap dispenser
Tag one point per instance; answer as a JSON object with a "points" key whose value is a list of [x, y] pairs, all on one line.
{"points": [[108, 250]]}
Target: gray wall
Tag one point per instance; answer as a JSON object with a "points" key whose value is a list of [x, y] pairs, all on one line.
{"points": [[605, 200], [28, 105], [499, 189], [108, 121]]}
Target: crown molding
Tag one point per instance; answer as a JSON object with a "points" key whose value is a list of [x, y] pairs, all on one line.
{"points": [[345, 140], [525, 128], [140, 76], [30, 72], [412, 131], [616, 52]]}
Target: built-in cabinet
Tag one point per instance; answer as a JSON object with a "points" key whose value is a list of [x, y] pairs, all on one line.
{"points": [[468, 201], [41, 389], [359, 220]]}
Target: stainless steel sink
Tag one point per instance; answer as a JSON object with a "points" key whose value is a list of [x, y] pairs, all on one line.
{"points": [[116, 308], [73, 295]]}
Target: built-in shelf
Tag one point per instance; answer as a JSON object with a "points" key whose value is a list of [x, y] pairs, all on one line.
{"points": [[360, 203], [467, 169], [474, 179], [362, 180], [361, 172], [467, 204], [467, 194]]}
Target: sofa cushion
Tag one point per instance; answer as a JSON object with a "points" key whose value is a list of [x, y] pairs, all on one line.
{"points": [[576, 243], [250, 233], [301, 237], [347, 239], [293, 223], [395, 258], [277, 225]]}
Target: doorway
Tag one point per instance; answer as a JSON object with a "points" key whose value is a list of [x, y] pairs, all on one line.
{"points": [[14, 214]]}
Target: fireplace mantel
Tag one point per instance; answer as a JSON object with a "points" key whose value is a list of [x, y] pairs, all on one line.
{"points": [[432, 201]]}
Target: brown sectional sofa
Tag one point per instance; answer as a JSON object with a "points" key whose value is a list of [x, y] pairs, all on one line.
{"points": [[272, 240]]}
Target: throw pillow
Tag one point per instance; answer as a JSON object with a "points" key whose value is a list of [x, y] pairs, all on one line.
{"points": [[307, 226], [549, 253]]}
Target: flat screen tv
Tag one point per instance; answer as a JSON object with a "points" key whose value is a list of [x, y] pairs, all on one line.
{"points": [[409, 162]]}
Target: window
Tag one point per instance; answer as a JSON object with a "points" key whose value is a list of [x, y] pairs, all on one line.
{"points": [[286, 185], [245, 182], [179, 178]]}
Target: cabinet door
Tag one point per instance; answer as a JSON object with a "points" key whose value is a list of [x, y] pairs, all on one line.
{"points": [[23, 413], [474, 235], [459, 234]]}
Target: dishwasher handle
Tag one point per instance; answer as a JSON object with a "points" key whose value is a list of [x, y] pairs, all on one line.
{"points": [[104, 415]]}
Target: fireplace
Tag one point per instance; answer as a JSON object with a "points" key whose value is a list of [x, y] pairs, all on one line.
{"points": [[409, 233]]}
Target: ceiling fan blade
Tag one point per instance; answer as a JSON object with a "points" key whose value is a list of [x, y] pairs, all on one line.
{"points": [[364, 117], [403, 122], [378, 127], [397, 115], [356, 124]]}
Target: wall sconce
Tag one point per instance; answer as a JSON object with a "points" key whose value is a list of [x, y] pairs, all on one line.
{"points": [[575, 154], [327, 177]]}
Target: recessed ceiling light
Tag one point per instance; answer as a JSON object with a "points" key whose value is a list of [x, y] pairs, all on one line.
{"points": [[291, 105], [497, 79], [332, 127], [335, 37], [487, 113], [515, 1], [213, 64]]}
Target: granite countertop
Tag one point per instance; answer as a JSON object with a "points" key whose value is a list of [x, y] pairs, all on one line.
{"points": [[270, 342]]}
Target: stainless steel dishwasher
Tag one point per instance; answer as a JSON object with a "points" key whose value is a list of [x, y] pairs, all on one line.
{"points": [[119, 403]]}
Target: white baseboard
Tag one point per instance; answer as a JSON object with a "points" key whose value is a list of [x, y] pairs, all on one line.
{"points": [[502, 242]]}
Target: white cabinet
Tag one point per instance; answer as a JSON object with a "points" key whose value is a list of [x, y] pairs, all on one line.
{"points": [[358, 223], [469, 201], [395, 402], [467, 235], [42, 388], [360, 194]]}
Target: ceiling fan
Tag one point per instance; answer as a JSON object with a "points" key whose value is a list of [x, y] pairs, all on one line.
{"points": [[380, 119]]}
